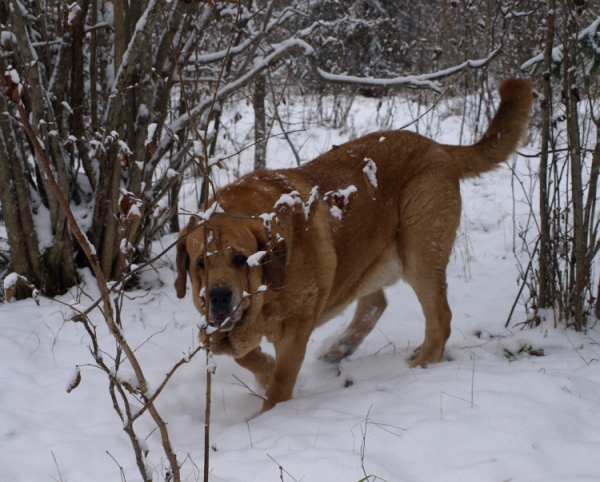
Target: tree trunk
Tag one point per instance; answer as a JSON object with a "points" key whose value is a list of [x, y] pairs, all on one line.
{"points": [[260, 123], [596, 162], [120, 31], [17, 237], [61, 272], [544, 270], [574, 146]]}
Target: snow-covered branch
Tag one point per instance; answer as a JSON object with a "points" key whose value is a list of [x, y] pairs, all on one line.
{"points": [[427, 81], [590, 32]]}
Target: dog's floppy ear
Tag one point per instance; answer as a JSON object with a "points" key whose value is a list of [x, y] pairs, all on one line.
{"points": [[183, 258], [275, 266]]}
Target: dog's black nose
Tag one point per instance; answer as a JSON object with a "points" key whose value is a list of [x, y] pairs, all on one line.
{"points": [[220, 300]]}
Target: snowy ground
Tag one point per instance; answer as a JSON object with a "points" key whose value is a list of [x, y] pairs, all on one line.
{"points": [[492, 411]]}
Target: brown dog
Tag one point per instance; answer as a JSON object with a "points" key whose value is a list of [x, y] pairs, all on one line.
{"points": [[284, 251]]}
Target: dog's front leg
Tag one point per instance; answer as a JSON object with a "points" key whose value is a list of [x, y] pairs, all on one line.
{"points": [[289, 355], [259, 363]]}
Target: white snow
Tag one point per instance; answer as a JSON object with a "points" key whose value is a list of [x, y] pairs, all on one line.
{"points": [[290, 199], [212, 161], [340, 196], [125, 246], [11, 280], [66, 105], [336, 212], [43, 227], [314, 193], [370, 171], [491, 411], [211, 366], [267, 219], [14, 75], [151, 131], [7, 37], [215, 208], [254, 259], [15, 78], [74, 381], [134, 211], [124, 147], [198, 148], [74, 10], [90, 245], [346, 193]]}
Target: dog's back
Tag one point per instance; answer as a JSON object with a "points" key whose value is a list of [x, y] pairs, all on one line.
{"points": [[401, 155], [405, 184]]}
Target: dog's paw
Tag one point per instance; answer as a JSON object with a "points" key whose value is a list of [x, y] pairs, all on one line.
{"points": [[422, 358], [338, 351], [266, 406], [333, 358]]}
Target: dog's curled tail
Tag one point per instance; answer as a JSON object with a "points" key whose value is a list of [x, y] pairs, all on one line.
{"points": [[502, 136]]}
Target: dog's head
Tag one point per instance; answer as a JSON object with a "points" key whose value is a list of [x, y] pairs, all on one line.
{"points": [[232, 263]]}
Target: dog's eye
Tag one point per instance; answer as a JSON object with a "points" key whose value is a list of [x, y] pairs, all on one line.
{"points": [[239, 261], [201, 263]]}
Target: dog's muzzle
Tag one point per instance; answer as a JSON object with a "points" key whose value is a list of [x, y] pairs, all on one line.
{"points": [[223, 312]]}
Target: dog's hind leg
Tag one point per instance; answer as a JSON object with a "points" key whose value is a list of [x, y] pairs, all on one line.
{"points": [[426, 239], [431, 293], [368, 310]]}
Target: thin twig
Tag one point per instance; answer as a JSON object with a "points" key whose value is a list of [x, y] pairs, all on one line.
{"points": [[470, 402], [252, 392], [57, 467], [121, 470], [524, 282], [363, 445], [281, 469], [168, 376], [249, 433]]}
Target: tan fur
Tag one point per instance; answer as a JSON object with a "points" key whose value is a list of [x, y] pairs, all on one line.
{"points": [[316, 264]]}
